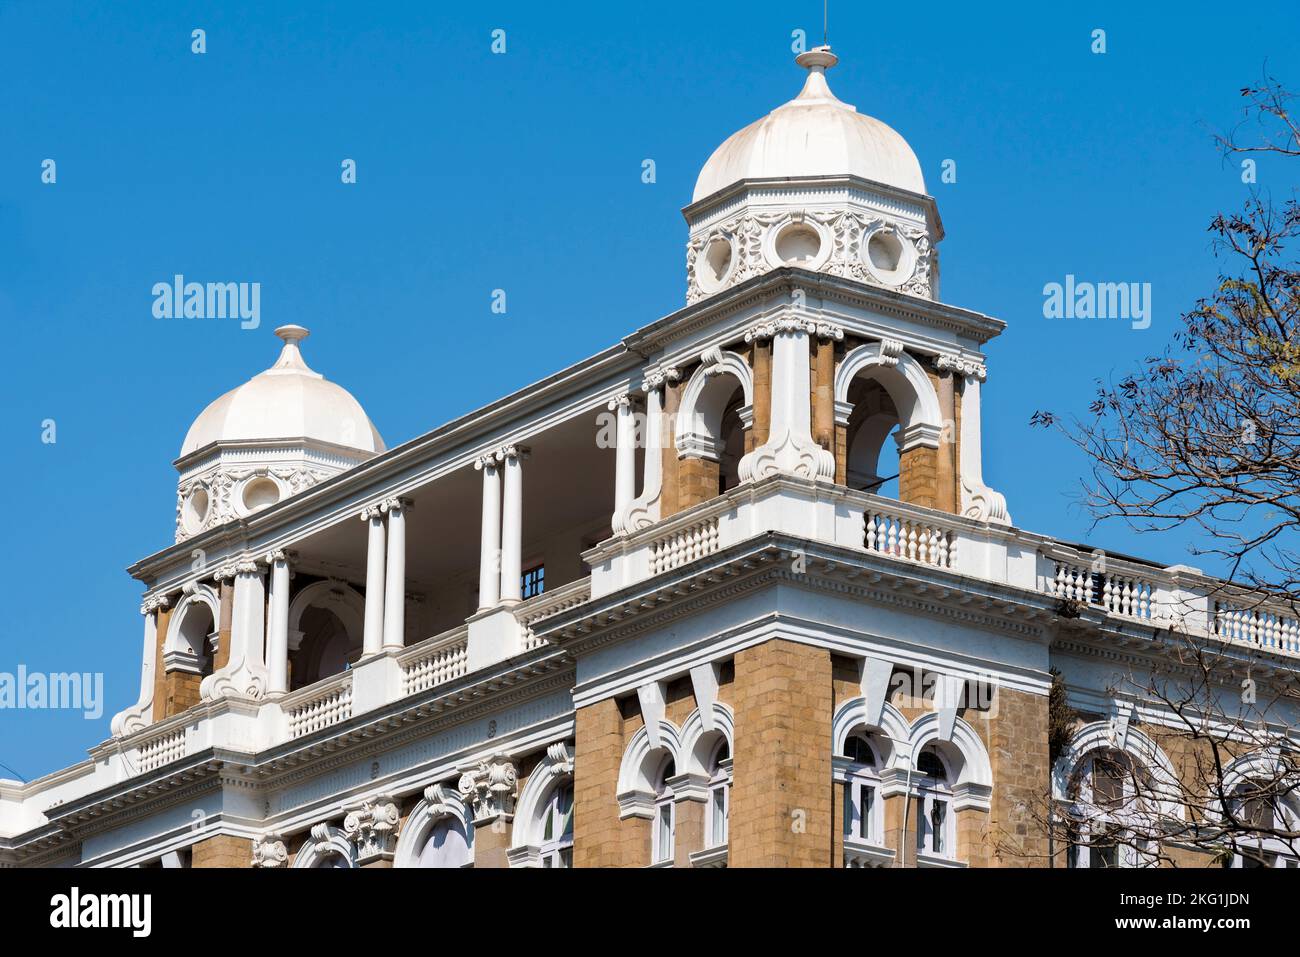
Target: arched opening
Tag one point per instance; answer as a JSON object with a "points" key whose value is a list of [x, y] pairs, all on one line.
{"points": [[326, 647], [872, 433], [732, 444], [194, 636], [448, 844]]}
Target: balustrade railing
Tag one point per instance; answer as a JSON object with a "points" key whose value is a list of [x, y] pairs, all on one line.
{"points": [[436, 661], [319, 706]]}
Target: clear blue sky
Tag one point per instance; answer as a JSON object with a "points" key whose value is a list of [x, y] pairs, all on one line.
{"points": [[522, 171]]}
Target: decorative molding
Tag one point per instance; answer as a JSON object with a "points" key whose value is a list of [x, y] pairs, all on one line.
{"points": [[372, 829], [489, 788], [269, 851]]}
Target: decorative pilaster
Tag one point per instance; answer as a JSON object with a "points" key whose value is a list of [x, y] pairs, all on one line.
{"points": [[245, 675], [270, 851], [624, 458], [277, 639], [373, 633], [140, 714], [645, 509], [489, 789], [790, 447], [372, 829], [489, 568], [978, 501], [395, 574]]}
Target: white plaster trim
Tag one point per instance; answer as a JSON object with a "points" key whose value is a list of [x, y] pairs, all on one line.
{"points": [[437, 803]]}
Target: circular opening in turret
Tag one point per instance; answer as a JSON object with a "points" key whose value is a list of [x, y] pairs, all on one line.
{"points": [[798, 244], [195, 510], [888, 257], [714, 264], [260, 493]]}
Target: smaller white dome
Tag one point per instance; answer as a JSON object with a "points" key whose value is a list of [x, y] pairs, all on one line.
{"points": [[814, 134], [287, 401]]}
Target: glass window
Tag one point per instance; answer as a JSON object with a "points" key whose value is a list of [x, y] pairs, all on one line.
{"points": [[533, 581]]}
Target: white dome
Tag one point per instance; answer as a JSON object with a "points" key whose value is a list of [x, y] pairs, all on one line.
{"points": [[814, 134], [287, 401]]}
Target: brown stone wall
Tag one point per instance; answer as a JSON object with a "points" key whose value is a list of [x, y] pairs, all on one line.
{"points": [[668, 496], [946, 491], [223, 851], [600, 839], [180, 691], [1017, 743], [697, 481], [761, 363], [159, 679], [222, 657], [918, 478], [822, 357], [781, 799]]}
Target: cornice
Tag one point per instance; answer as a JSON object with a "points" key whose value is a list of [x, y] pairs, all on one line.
{"points": [[760, 289], [764, 561]]}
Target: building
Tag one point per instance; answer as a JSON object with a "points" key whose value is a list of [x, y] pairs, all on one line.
{"points": [[651, 610]]}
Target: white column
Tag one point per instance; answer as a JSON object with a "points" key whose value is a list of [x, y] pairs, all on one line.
{"points": [[643, 510], [624, 459], [395, 575], [489, 567], [373, 633], [277, 639], [140, 714], [512, 525]]}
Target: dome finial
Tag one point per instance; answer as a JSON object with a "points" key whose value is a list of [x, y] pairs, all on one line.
{"points": [[816, 61], [290, 356]]}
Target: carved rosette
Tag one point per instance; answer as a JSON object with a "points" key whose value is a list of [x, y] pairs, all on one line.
{"points": [[849, 230], [372, 829], [269, 851], [220, 486], [489, 789]]}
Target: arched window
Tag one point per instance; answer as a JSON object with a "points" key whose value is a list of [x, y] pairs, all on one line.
{"points": [[447, 845], [862, 791], [1107, 803], [557, 828], [719, 794], [1259, 806], [332, 861], [665, 822], [932, 788]]}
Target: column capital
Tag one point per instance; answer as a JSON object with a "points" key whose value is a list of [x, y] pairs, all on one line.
{"points": [[517, 452], [620, 401], [225, 572], [279, 555], [372, 828], [396, 503], [771, 328], [967, 366], [370, 511], [483, 462], [489, 788], [155, 603], [248, 566], [269, 851], [659, 377]]}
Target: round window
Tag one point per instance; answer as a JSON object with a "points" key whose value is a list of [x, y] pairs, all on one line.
{"points": [[888, 256], [798, 244], [713, 264], [195, 510], [260, 493]]}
